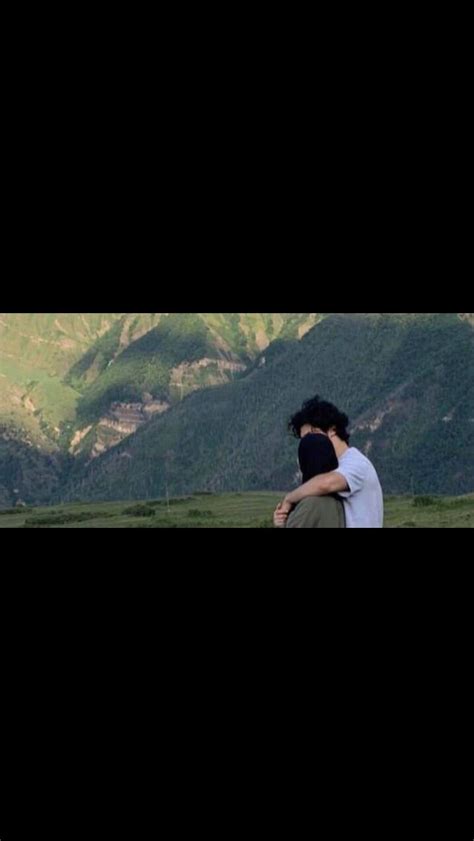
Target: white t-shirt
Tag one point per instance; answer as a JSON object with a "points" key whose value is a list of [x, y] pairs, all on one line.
{"points": [[363, 502]]}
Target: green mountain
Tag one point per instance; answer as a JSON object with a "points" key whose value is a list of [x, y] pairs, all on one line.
{"points": [[406, 379], [36, 353], [76, 384], [114, 405]]}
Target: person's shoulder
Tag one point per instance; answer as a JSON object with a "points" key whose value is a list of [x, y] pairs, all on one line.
{"points": [[357, 459], [353, 454], [364, 462]]}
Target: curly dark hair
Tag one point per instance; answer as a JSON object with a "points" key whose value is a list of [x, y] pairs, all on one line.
{"points": [[321, 415]]}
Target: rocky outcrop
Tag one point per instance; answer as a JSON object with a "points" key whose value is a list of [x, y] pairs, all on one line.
{"points": [[122, 420], [191, 376]]}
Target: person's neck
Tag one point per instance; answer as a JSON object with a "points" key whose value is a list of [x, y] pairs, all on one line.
{"points": [[340, 446]]}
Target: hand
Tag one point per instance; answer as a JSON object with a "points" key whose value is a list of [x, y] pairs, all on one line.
{"points": [[280, 517]]}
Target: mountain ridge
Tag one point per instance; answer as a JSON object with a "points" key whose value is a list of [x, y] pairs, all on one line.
{"points": [[78, 383], [81, 394], [407, 384]]}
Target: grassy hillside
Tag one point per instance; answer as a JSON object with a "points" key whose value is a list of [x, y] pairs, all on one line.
{"points": [[36, 352], [50, 341], [406, 382], [67, 368], [78, 383], [74, 385], [174, 354], [250, 510]]}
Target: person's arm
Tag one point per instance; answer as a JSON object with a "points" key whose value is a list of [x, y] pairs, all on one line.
{"points": [[325, 485]]}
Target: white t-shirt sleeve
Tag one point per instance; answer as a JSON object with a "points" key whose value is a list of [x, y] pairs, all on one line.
{"points": [[354, 469]]}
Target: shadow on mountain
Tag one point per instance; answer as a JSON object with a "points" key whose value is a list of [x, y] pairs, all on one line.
{"points": [[28, 475], [144, 366], [406, 383]]}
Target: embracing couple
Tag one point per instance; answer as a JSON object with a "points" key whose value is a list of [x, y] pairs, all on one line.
{"points": [[340, 487]]}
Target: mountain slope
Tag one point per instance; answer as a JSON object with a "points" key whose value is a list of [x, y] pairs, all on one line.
{"points": [[76, 384], [66, 369], [36, 352], [406, 379]]}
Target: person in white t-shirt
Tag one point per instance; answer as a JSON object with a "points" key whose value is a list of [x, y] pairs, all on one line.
{"points": [[355, 480]]}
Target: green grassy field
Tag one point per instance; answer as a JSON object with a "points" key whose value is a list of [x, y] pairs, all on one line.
{"points": [[246, 510]]}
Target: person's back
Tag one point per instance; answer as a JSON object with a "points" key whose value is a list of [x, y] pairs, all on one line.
{"points": [[363, 502]]}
